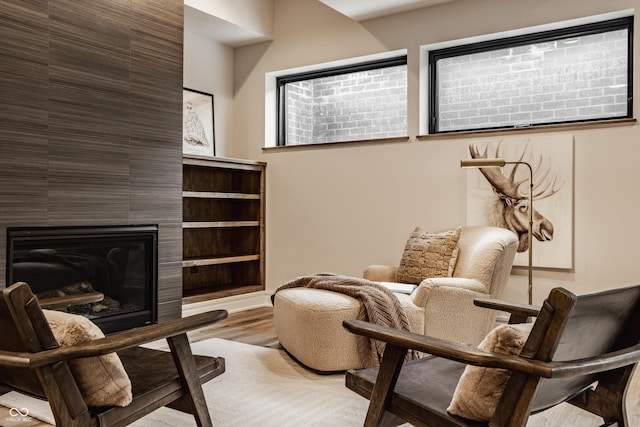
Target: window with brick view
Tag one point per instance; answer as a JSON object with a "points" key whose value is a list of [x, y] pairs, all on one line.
{"points": [[572, 75], [359, 102]]}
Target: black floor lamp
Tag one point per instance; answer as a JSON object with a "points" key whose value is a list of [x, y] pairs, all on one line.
{"points": [[499, 162]]}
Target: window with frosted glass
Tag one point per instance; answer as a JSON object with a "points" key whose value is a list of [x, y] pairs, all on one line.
{"points": [[358, 102], [571, 75]]}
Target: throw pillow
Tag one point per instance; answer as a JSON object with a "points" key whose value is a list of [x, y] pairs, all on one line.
{"points": [[479, 389], [102, 380], [428, 255]]}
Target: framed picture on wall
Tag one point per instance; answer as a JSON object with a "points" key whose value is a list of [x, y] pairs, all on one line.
{"points": [[499, 197], [198, 135]]}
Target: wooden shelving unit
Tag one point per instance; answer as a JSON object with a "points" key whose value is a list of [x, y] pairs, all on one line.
{"points": [[223, 227]]}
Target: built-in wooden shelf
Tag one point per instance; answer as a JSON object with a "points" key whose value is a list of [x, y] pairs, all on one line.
{"points": [[222, 260], [217, 195], [204, 224], [220, 292], [223, 227]]}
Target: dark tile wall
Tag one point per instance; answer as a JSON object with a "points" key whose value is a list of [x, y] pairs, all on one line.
{"points": [[91, 121]]}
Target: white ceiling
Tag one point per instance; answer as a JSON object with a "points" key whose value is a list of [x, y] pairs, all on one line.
{"points": [[201, 17], [360, 10]]}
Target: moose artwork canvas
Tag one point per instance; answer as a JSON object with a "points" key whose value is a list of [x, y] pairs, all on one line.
{"points": [[500, 196]]}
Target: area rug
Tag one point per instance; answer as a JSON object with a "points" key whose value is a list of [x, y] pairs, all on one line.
{"points": [[261, 387], [264, 387]]}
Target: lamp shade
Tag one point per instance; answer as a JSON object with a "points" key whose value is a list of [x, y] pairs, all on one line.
{"points": [[479, 163]]}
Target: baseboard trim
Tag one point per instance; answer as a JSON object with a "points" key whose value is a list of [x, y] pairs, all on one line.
{"points": [[232, 304]]}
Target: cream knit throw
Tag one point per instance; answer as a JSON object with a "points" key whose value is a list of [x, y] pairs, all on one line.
{"points": [[379, 305]]}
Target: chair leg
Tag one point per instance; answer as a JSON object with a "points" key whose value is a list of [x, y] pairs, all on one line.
{"points": [[608, 398], [390, 366], [183, 358]]}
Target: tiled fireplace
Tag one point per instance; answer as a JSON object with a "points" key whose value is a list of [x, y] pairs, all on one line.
{"points": [[91, 130], [119, 261]]}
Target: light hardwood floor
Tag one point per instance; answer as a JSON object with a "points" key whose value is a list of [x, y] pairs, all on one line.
{"points": [[250, 327]]}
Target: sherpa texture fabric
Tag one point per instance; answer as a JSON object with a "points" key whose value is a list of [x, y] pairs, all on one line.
{"points": [[479, 389], [428, 255], [102, 380]]}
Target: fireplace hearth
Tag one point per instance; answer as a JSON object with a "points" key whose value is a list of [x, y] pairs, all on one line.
{"points": [[118, 261]]}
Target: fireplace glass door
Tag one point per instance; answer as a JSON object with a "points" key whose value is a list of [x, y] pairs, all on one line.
{"points": [[117, 261]]}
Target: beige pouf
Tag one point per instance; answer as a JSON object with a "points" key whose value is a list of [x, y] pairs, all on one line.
{"points": [[308, 324]]}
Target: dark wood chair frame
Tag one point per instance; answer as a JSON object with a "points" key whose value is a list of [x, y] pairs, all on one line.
{"points": [[582, 350], [32, 362]]}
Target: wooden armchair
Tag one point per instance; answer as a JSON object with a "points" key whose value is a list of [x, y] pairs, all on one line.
{"points": [[581, 349], [32, 362]]}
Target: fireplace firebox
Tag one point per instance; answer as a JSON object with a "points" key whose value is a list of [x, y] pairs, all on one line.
{"points": [[118, 261]]}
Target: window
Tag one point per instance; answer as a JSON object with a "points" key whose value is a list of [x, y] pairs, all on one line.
{"points": [[362, 101], [575, 74]]}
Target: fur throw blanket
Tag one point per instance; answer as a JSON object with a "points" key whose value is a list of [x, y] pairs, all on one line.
{"points": [[379, 305]]}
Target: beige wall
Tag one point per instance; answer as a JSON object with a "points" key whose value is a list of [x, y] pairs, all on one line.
{"points": [[341, 208], [208, 67]]}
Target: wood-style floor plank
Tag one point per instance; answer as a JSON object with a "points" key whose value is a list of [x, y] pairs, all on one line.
{"points": [[253, 326]]}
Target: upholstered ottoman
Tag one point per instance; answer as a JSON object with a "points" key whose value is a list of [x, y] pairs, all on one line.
{"points": [[308, 323]]}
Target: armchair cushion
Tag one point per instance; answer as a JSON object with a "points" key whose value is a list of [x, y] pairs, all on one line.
{"points": [[102, 380], [428, 254], [479, 389]]}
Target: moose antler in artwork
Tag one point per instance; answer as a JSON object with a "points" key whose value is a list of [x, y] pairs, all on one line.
{"points": [[512, 211]]}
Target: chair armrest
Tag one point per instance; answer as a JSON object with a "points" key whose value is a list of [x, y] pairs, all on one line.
{"points": [[57, 303], [467, 323], [113, 343], [474, 356], [421, 294], [519, 312], [450, 350], [380, 273]]}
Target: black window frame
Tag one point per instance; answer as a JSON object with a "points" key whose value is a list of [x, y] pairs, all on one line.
{"points": [[526, 39], [282, 81]]}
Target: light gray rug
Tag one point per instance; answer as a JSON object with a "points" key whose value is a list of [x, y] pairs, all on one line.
{"points": [[263, 387]]}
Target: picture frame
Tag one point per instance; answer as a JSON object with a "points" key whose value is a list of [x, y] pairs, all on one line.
{"points": [[551, 159], [198, 133]]}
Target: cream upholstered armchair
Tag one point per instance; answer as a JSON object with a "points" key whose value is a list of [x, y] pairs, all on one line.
{"points": [[483, 264], [308, 321]]}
